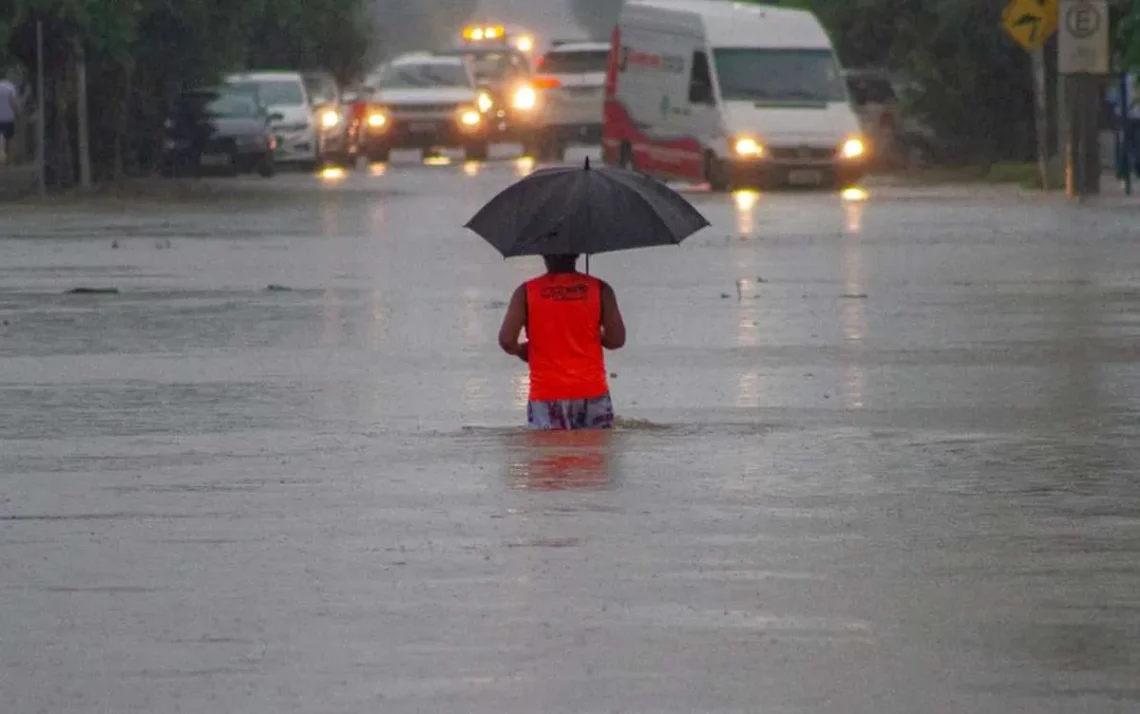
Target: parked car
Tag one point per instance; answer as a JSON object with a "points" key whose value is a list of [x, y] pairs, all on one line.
{"points": [[295, 126], [509, 97], [897, 136], [571, 78], [325, 96], [355, 108], [425, 102], [218, 129]]}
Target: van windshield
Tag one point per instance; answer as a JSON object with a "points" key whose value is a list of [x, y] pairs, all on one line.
{"points": [[784, 75]]}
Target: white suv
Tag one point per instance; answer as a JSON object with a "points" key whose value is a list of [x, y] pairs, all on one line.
{"points": [[572, 78], [427, 102]]}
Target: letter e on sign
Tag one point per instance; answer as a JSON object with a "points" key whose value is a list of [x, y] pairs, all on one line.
{"points": [[1082, 47]]}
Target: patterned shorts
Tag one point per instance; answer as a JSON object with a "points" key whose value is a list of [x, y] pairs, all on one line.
{"points": [[562, 414]]}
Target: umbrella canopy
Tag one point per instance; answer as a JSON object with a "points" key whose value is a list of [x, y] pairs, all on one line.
{"points": [[572, 209]]}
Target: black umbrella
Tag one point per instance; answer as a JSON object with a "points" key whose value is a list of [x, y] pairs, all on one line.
{"points": [[570, 209]]}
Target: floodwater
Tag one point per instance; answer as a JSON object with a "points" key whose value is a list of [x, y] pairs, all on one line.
{"points": [[878, 455]]}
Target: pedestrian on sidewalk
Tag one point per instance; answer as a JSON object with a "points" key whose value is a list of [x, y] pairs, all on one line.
{"points": [[568, 317], [9, 111], [1130, 128]]}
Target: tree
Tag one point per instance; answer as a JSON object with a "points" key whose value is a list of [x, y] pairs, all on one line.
{"points": [[1128, 36], [973, 83], [141, 53]]}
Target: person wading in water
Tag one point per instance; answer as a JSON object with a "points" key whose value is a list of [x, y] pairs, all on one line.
{"points": [[568, 317]]}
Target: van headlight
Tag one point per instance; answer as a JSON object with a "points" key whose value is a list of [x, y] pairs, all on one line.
{"points": [[330, 118], [525, 98], [485, 102], [853, 148], [749, 148]]}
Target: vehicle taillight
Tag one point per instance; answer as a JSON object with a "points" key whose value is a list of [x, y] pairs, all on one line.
{"points": [[539, 62], [545, 83]]}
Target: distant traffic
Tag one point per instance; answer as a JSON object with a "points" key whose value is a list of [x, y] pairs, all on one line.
{"points": [[725, 94]]}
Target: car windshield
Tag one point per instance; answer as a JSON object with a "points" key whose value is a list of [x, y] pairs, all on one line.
{"points": [[233, 106], [577, 62], [495, 65], [427, 74], [276, 93], [768, 75]]}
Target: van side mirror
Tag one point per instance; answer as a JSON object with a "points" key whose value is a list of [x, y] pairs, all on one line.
{"points": [[700, 93]]}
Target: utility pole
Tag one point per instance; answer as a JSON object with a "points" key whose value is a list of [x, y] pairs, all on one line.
{"points": [[1082, 61], [41, 112], [1041, 110], [83, 135]]}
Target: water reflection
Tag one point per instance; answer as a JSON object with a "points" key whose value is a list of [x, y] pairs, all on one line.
{"points": [[437, 161], [522, 388], [748, 390], [524, 165], [853, 311], [332, 174], [745, 202], [472, 168], [562, 460], [471, 313], [378, 320], [475, 391], [378, 169]]}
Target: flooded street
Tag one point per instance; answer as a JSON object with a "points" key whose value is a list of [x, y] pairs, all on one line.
{"points": [[878, 455]]}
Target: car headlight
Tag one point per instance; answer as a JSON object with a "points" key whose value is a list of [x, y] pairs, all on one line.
{"points": [[470, 118], [525, 44], [377, 120], [525, 98], [485, 102], [853, 148], [749, 147], [329, 119]]}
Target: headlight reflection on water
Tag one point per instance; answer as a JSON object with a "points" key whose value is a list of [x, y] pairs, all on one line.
{"points": [[745, 202], [524, 165]]}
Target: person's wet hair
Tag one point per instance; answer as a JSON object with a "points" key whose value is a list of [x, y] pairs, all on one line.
{"points": [[563, 263]]}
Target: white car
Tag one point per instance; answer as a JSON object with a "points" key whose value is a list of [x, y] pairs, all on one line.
{"points": [[426, 102], [284, 96], [572, 79]]}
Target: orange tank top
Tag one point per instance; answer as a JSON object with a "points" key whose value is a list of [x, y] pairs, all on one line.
{"points": [[564, 328]]}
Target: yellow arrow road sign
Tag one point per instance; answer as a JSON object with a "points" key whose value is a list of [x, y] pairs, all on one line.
{"points": [[1030, 22]]}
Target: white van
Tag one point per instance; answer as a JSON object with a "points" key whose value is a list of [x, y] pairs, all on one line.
{"points": [[729, 93]]}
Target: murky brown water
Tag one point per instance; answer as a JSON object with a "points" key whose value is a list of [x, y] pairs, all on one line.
{"points": [[875, 457]]}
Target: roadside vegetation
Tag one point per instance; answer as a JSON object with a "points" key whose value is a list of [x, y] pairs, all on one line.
{"points": [[140, 54]]}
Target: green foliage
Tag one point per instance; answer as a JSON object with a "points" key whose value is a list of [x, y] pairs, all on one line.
{"points": [[973, 83], [141, 53], [1128, 36]]}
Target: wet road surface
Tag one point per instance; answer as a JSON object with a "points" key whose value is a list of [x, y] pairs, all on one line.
{"points": [[877, 457]]}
